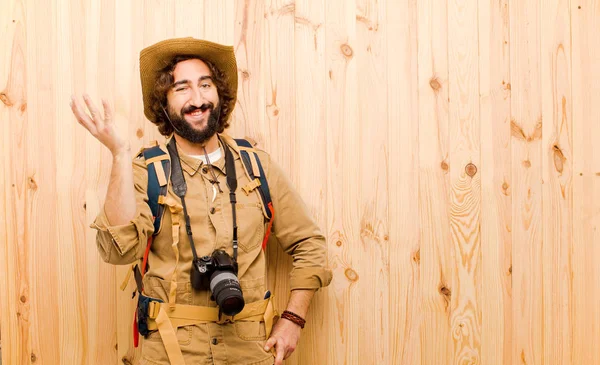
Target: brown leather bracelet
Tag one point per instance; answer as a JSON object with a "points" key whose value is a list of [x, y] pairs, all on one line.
{"points": [[291, 316]]}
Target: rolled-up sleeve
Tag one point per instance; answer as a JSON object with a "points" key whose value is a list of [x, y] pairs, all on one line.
{"points": [[297, 233], [123, 244]]}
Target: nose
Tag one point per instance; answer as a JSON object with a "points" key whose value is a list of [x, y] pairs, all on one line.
{"points": [[197, 98]]}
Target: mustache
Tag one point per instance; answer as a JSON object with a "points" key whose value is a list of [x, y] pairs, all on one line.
{"points": [[193, 108]]}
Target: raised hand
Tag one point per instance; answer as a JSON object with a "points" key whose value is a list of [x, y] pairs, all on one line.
{"points": [[101, 127]]}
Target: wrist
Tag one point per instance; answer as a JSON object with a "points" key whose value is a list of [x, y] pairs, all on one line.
{"points": [[121, 153], [293, 317]]}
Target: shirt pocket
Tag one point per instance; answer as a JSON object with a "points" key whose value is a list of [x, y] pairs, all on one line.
{"points": [[250, 330], [251, 226]]}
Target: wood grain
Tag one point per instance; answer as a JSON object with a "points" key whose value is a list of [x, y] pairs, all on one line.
{"points": [[342, 190], [526, 149], [15, 313], [585, 26], [311, 148], [280, 121], [403, 180], [465, 180], [249, 115], [557, 177], [434, 184], [373, 247], [496, 238]]}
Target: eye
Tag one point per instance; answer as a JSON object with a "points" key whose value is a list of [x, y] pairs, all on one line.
{"points": [[181, 88], [205, 85]]}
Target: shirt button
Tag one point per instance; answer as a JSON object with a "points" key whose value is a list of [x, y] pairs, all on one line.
{"points": [[215, 341], [212, 210]]}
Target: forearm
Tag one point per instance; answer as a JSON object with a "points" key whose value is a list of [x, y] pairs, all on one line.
{"points": [[120, 205], [300, 301]]}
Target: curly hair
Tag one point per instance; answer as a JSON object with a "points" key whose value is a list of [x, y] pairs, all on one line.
{"points": [[164, 81]]}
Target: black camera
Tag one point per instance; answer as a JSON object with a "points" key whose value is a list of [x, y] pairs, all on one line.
{"points": [[218, 272]]}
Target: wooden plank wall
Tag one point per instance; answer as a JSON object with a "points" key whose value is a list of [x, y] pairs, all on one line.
{"points": [[448, 149]]}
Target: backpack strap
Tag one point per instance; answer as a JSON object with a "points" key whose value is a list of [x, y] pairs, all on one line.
{"points": [[158, 163], [258, 179], [159, 171]]}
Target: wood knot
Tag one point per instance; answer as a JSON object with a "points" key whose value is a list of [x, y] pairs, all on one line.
{"points": [[23, 299], [559, 159], [351, 274], [5, 99], [444, 166], [245, 75], [508, 86], [435, 84], [505, 188], [33, 357], [445, 291], [527, 164], [273, 110], [126, 361], [338, 243], [84, 206], [139, 133], [346, 50], [32, 184], [330, 75], [510, 270], [471, 169], [417, 256]]}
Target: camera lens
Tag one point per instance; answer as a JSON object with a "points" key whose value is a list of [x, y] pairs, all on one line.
{"points": [[227, 292]]}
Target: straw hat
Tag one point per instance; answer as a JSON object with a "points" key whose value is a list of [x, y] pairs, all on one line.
{"points": [[157, 56]]}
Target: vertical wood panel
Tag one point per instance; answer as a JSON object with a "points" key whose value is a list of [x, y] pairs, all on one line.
{"points": [[280, 111], [403, 180], [557, 176], [436, 252], [14, 253], [465, 180], [373, 247], [586, 185], [311, 149], [496, 243], [526, 132], [70, 182], [249, 113], [342, 191], [40, 224]]}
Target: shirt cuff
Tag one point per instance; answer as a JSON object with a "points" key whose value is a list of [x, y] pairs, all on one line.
{"points": [[123, 238], [309, 278]]}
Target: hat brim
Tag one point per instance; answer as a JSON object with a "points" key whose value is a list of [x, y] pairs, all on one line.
{"points": [[157, 56]]}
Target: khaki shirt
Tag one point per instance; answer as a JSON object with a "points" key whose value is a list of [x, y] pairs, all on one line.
{"points": [[211, 223]]}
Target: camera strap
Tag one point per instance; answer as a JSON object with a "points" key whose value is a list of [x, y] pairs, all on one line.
{"points": [[180, 189]]}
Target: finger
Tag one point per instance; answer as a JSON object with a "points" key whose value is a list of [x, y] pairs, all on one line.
{"points": [[280, 354], [108, 114], [289, 352], [96, 117], [81, 116], [270, 343]]}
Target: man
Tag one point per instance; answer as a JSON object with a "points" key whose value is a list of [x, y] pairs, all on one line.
{"points": [[189, 90]]}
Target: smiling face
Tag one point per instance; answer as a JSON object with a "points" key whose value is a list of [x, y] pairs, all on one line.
{"points": [[193, 101]]}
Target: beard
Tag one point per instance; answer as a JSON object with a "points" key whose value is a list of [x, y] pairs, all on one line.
{"points": [[187, 131]]}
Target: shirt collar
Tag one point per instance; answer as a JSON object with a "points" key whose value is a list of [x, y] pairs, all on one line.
{"points": [[191, 165]]}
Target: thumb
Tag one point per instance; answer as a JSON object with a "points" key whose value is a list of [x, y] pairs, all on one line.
{"points": [[270, 343]]}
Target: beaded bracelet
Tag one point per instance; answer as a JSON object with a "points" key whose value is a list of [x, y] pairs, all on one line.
{"points": [[291, 316]]}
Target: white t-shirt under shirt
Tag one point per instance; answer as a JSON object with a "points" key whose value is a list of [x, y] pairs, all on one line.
{"points": [[213, 156]]}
